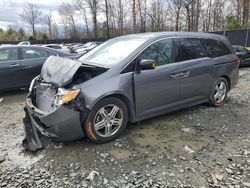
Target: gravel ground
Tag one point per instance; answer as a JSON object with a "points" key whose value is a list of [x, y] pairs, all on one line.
{"points": [[197, 147]]}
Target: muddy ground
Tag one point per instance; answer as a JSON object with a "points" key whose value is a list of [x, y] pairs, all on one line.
{"points": [[197, 147]]}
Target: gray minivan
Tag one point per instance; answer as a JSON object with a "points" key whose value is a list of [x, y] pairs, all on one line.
{"points": [[127, 79]]}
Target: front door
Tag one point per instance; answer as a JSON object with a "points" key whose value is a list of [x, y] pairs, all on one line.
{"points": [[157, 88]]}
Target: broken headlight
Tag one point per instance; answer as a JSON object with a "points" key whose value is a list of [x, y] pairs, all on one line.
{"points": [[65, 96]]}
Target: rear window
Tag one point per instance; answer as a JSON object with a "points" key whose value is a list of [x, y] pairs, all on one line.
{"points": [[215, 48]]}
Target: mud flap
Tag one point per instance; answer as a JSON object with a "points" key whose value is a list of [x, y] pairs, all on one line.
{"points": [[32, 141]]}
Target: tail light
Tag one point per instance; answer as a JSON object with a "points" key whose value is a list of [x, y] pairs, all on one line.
{"points": [[237, 63]]}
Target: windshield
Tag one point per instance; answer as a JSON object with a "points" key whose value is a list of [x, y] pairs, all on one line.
{"points": [[111, 52]]}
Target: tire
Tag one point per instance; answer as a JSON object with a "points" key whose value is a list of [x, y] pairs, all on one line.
{"points": [[219, 92], [107, 120]]}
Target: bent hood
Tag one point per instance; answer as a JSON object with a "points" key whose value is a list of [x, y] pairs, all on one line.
{"points": [[59, 71]]}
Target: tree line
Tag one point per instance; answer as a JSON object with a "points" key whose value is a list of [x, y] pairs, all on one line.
{"points": [[109, 18]]}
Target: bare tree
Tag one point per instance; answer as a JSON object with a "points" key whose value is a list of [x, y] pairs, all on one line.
{"points": [[49, 24], [31, 15], [134, 15], [107, 17], [94, 6], [67, 13], [54, 31], [142, 9], [176, 6], [246, 4], [207, 15], [82, 6]]}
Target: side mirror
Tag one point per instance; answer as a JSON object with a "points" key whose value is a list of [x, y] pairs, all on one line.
{"points": [[147, 64]]}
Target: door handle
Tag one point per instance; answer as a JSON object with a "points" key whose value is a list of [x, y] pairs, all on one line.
{"points": [[14, 65], [180, 74], [28, 66]]}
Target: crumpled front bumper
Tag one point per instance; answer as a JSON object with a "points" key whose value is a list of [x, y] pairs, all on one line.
{"points": [[63, 124]]}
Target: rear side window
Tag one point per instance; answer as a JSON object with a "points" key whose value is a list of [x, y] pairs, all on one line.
{"points": [[32, 53], [215, 48], [8, 54], [191, 48]]}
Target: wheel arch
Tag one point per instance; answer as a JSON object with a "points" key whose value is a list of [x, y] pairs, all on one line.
{"points": [[123, 98], [228, 80]]}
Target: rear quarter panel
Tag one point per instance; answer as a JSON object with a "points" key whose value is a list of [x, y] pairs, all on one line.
{"points": [[226, 66]]}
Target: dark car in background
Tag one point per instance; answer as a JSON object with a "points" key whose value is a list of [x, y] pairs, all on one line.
{"points": [[243, 53], [19, 64], [127, 79]]}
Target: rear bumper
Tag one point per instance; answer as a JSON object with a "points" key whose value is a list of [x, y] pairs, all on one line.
{"points": [[63, 124]]}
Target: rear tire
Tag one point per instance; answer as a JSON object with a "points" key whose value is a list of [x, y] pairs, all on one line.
{"points": [[219, 92], [107, 120]]}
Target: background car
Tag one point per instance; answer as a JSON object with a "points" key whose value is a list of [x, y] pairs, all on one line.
{"points": [[19, 64], [86, 47], [24, 43], [244, 55], [58, 47]]}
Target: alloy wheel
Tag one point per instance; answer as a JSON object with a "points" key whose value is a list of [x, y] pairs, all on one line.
{"points": [[220, 92], [108, 120]]}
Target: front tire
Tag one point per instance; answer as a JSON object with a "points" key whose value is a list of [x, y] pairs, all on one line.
{"points": [[219, 92], [107, 120]]}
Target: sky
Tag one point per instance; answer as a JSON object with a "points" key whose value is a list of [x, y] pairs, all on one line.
{"points": [[10, 11]]}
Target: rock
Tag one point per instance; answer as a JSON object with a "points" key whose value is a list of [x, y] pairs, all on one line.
{"points": [[4, 184], [40, 181], [72, 175], [187, 149], [175, 160], [58, 146], [1, 100], [181, 170], [219, 177], [171, 175], [71, 165], [182, 158], [105, 181], [26, 176], [246, 184], [77, 167], [215, 182], [84, 184], [92, 175], [229, 171], [186, 130], [2, 159]]}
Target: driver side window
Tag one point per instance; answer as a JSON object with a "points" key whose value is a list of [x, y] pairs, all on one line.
{"points": [[161, 52]]}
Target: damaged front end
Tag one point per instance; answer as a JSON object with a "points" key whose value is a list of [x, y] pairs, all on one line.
{"points": [[54, 107]]}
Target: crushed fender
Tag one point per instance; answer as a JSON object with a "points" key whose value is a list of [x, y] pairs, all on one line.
{"points": [[32, 141]]}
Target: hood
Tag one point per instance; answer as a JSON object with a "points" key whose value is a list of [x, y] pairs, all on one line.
{"points": [[59, 71]]}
